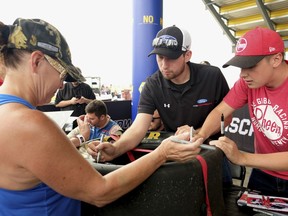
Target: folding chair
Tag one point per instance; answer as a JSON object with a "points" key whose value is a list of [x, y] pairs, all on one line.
{"points": [[238, 172]]}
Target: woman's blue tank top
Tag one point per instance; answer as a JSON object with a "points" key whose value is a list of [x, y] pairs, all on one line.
{"points": [[40, 200]]}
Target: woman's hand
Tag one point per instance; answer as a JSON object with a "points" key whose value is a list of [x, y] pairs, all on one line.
{"points": [[180, 152]]}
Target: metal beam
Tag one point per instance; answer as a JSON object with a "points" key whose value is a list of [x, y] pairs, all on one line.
{"points": [[265, 15], [257, 18], [237, 6], [220, 20]]}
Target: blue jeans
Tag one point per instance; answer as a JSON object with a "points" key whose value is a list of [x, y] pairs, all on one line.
{"points": [[267, 184]]}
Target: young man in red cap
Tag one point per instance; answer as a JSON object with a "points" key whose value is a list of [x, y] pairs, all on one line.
{"points": [[263, 85]]}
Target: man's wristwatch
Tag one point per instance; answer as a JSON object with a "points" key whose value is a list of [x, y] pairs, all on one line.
{"points": [[80, 138]]}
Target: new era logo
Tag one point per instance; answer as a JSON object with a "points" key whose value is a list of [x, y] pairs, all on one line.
{"points": [[166, 105], [272, 49]]}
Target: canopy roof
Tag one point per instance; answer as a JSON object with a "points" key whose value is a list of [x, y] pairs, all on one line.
{"points": [[236, 17]]}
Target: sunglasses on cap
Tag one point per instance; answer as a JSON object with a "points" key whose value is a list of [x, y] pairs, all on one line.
{"points": [[170, 43], [161, 42]]}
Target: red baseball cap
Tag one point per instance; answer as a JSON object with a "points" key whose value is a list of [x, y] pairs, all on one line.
{"points": [[254, 46]]}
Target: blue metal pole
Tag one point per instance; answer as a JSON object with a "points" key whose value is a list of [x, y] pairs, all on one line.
{"points": [[147, 21]]}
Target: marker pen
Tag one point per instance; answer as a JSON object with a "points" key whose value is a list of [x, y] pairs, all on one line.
{"points": [[99, 152], [222, 125]]}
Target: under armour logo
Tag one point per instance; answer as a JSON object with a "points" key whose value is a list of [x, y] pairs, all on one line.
{"points": [[166, 105]]}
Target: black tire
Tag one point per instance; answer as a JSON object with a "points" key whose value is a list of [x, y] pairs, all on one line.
{"points": [[173, 190]]}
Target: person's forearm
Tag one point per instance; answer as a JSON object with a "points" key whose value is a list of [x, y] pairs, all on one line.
{"points": [[211, 125], [128, 140], [64, 103], [88, 100], [75, 141], [73, 133], [119, 183], [274, 161]]}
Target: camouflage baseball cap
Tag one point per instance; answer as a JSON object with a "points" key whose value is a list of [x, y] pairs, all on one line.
{"points": [[36, 34]]}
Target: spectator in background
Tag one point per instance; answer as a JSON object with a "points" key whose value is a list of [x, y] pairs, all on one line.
{"points": [[126, 94], [74, 96], [156, 123], [205, 62], [108, 90], [94, 123], [103, 90]]}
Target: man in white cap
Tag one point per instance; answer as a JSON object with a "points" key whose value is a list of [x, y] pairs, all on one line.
{"points": [[263, 85], [183, 93]]}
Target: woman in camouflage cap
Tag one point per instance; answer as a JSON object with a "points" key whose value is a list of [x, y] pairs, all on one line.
{"points": [[41, 172]]}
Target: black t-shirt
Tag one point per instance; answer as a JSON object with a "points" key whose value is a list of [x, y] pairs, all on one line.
{"points": [[188, 103], [69, 91]]}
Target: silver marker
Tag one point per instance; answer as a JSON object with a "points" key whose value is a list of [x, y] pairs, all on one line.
{"points": [[99, 152], [202, 146], [192, 131]]}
